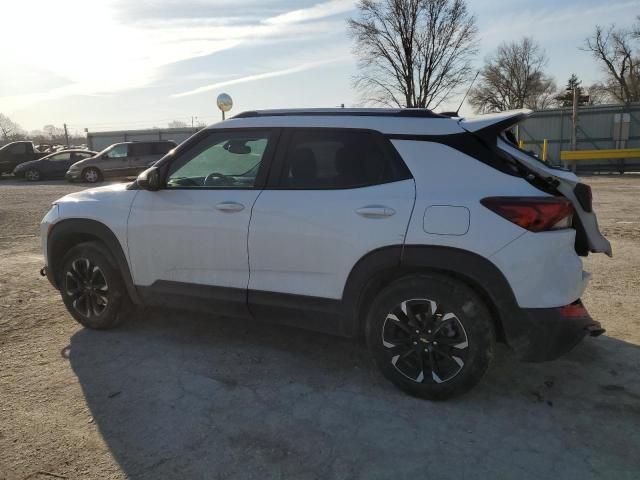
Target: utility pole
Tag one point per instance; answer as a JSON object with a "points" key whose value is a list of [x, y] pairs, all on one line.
{"points": [[574, 123], [574, 120], [66, 135]]}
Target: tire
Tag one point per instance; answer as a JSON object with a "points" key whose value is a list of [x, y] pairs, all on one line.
{"points": [[92, 287], [91, 175], [452, 349], [32, 175]]}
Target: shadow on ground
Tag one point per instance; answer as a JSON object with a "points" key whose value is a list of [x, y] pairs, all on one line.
{"points": [[183, 396]]}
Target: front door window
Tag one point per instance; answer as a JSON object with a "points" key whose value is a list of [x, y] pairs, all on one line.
{"points": [[224, 160]]}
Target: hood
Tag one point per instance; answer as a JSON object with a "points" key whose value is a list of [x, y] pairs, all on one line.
{"points": [[82, 162], [25, 165], [94, 194]]}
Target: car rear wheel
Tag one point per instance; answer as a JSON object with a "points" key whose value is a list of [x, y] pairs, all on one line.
{"points": [[430, 335], [91, 175], [92, 288], [32, 175]]}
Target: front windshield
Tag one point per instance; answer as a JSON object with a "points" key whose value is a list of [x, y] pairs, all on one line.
{"points": [[114, 151]]}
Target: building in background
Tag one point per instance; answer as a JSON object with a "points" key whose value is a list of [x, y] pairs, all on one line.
{"points": [[98, 141], [598, 128]]}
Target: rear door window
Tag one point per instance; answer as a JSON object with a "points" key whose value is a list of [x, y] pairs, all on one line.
{"points": [[139, 149], [330, 159], [162, 148], [76, 156], [61, 157]]}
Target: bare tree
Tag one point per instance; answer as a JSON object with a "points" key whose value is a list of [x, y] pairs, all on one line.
{"points": [[55, 133], [412, 53], [513, 77], [9, 130], [614, 49], [599, 94]]}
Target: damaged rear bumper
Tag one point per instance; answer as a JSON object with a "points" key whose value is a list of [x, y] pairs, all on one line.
{"points": [[542, 334]]}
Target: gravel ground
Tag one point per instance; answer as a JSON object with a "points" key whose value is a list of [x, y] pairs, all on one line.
{"points": [[177, 395]]}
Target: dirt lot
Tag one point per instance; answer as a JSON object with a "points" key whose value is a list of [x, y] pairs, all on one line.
{"points": [[174, 395]]}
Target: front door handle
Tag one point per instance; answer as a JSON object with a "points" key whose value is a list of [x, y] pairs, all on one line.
{"points": [[230, 207], [375, 211]]}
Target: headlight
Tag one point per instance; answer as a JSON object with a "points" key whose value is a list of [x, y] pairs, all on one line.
{"points": [[51, 215]]}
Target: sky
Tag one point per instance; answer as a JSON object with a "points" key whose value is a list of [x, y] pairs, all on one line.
{"points": [[122, 64]]}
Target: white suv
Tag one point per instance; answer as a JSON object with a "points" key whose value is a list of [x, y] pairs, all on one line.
{"points": [[430, 236]]}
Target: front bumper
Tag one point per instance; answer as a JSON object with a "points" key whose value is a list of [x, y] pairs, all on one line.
{"points": [[72, 176], [542, 334]]}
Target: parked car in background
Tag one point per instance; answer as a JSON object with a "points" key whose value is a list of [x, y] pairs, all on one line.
{"points": [[54, 165], [120, 160], [43, 148], [15, 153]]}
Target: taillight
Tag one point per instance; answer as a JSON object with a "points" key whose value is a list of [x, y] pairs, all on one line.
{"points": [[536, 214]]}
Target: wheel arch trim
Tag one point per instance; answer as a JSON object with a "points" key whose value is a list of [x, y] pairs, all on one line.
{"points": [[69, 232], [382, 266]]}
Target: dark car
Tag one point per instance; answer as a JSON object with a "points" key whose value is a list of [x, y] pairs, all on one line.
{"points": [[54, 165], [15, 153], [120, 160]]}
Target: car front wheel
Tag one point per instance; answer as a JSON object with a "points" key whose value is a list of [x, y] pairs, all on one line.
{"points": [[430, 335], [91, 175], [32, 175], [92, 288]]}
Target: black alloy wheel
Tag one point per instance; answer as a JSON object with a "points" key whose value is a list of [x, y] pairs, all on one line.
{"points": [[426, 344], [431, 335], [85, 283], [92, 288]]}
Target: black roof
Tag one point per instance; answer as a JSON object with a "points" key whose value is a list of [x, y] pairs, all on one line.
{"points": [[380, 112]]}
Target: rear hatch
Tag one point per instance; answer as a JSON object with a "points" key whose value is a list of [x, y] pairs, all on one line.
{"points": [[491, 129]]}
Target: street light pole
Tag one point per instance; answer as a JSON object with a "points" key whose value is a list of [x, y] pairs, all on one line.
{"points": [[225, 103]]}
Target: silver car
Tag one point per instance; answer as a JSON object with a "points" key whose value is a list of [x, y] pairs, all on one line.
{"points": [[120, 160]]}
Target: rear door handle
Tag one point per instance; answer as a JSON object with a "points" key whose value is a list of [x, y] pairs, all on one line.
{"points": [[375, 211], [230, 207]]}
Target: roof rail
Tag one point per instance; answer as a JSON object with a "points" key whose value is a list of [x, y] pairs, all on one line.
{"points": [[343, 112]]}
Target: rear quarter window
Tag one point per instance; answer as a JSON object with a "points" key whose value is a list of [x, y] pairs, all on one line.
{"points": [[162, 148]]}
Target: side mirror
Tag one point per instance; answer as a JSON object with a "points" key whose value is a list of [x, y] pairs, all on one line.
{"points": [[149, 179]]}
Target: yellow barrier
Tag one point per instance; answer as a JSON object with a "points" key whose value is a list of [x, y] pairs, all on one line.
{"points": [[545, 148], [572, 155]]}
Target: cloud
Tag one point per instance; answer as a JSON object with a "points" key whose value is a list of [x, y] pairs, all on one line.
{"points": [[320, 10], [119, 55], [261, 76], [552, 23]]}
